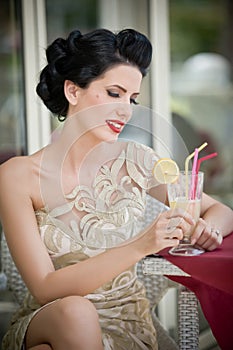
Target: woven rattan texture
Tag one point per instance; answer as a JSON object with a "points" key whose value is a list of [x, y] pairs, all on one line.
{"points": [[14, 282]]}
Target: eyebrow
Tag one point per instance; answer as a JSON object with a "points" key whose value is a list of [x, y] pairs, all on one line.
{"points": [[123, 89]]}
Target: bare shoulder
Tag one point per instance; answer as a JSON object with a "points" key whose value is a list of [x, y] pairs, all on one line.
{"points": [[15, 169], [18, 173]]}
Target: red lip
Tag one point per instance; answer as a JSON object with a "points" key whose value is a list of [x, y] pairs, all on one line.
{"points": [[115, 125]]}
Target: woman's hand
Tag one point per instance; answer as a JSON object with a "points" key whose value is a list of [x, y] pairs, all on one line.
{"points": [[206, 236], [167, 230]]}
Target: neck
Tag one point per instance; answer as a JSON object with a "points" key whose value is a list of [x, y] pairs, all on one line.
{"points": [[74, 148]]}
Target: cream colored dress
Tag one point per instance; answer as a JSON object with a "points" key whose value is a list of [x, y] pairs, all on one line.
{"points": [[112, 213]]}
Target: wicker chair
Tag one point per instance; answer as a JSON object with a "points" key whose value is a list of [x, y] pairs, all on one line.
{"points": [[156, 286]]}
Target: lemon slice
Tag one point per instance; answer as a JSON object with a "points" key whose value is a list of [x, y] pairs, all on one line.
{"points": [[166, 171]]}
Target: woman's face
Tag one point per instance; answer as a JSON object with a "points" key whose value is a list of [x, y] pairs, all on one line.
{"points": [[108, 99]]}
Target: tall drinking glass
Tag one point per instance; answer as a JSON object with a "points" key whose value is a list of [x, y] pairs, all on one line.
{"points": [[186, 193]]}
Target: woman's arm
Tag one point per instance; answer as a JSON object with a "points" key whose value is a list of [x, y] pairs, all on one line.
{"points": [[33, 261], [216, 222]]}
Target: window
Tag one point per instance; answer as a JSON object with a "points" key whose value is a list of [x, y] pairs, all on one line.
{"points": [[64, 16], [201, 85], [12, 106]]}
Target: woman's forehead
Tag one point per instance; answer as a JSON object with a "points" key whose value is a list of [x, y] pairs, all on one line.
{"points": [[126, 75]]}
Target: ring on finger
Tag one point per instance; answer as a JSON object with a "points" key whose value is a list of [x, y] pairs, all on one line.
{"points": [[217, 232]]}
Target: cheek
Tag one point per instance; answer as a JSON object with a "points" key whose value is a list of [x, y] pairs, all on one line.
{"points": [[99, 98], [95, 99]]}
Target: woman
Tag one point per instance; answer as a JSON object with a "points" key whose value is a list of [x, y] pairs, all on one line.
{"points": [[76, 204]]}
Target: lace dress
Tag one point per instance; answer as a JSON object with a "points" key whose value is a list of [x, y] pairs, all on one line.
{"points": [[112, 212]]}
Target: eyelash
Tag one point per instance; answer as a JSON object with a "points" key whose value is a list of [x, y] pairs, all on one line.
{"points": [[116, 95], [132, 100]]}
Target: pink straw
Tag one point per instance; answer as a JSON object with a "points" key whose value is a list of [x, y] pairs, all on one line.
{"points": [[198, 167], [194, 172], [205, 158]]}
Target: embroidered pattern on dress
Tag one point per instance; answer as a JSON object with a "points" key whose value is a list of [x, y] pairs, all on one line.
{"points": [[113, 207]]}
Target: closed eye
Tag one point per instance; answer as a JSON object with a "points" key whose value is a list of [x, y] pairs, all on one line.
{"points": [[113, 94], [117, 95], [133, 101]]}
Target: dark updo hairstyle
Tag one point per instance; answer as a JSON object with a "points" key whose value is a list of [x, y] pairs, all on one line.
{"points": [[83, 58]]}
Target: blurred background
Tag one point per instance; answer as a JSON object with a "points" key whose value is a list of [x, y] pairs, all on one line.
{"points": [[189, 84]]}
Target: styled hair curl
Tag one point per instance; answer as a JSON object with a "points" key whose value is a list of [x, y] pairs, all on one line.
{"points": [[84, 58]]}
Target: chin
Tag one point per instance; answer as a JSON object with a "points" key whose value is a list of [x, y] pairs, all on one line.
{"points": [[111, 139]]}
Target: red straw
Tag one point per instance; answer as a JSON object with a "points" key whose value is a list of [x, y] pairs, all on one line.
{"points": [[199, 163], [205, 158], [194, 172]]}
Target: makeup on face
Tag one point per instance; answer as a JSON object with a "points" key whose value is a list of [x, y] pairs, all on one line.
{"points": [[115, 125]]}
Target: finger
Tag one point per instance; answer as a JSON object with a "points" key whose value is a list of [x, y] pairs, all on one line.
{"points": [[211, 247], [180, 213], [180, 223], [205, 236], [174, 232], [217, 234], [197, 235], [214, 246], [171, 242], [213, 241]]}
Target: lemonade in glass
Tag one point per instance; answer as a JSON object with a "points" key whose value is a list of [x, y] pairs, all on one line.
{"points": [[186, 193]]}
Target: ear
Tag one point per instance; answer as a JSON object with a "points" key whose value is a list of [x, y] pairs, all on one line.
{"points": [[71, 92]]}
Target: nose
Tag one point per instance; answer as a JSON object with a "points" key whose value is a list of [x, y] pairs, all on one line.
{"points": [[124, 111]]}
